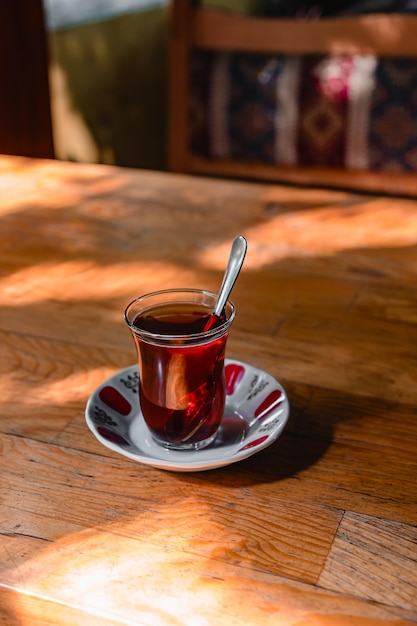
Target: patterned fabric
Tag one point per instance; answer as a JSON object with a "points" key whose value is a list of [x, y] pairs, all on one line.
{"points": [[200, 126], [393, 117], [354, 112], [252, 107], [324, 88], [360, 90]]}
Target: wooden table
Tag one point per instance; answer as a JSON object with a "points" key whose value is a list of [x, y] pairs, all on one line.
{"points": [[320, 528]]}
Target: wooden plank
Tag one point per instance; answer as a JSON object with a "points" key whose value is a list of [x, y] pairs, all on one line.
{"points": [[126, 580], [273, 537], [345, 417], [313, 352], [397, 183], [379, 34], [391, 303], [364, 545], [45, 383], [18, 608], [178, 108]]}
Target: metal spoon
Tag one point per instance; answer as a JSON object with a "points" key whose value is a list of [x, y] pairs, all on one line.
{"points": [[236, 258]]}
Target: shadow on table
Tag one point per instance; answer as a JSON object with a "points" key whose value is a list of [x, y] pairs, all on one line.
{"points": [[67, 269]]}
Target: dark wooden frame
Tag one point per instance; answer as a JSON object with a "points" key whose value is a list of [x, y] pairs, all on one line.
{"points": [[197, 28], [25, 111]]}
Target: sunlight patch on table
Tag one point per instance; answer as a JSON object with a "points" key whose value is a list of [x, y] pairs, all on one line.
{"points": [[128, 571], [131, 582], [128, 581], [301, 233], [83, 280]]}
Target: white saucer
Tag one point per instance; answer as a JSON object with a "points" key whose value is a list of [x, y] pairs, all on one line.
{"points": [[256, 412]]}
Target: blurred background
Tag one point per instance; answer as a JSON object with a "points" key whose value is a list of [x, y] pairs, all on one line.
{"points": [[87, 80], [108, 80], [84, 80]]}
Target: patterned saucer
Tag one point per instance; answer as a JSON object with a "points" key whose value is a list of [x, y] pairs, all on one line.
{"points": [[256, 412]]}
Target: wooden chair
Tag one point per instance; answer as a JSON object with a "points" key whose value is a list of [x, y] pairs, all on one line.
{"points": [[195, 28]]}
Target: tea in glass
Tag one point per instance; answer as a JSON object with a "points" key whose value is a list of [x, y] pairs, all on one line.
{"points": [[181, 349]]}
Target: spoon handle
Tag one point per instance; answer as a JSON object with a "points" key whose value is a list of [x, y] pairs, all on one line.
{"points": [[237, 256]]}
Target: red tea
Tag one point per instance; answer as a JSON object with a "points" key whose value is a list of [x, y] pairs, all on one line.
{"points": [[182, 386]]}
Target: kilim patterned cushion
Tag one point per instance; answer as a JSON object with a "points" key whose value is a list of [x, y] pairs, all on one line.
{"points": [[353, 112]]}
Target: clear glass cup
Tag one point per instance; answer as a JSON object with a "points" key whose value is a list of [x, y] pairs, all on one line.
{"points": [[181, 348]]}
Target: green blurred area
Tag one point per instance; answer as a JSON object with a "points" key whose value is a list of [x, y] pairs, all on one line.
{"points": [[109, 90]]}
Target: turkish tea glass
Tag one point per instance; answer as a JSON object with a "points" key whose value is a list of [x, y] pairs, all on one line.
{"points": [[181, 347]]}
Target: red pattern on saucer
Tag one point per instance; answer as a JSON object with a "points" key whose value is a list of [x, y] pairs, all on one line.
{"points": [[234, 374], [269, 404], [114, 399]]}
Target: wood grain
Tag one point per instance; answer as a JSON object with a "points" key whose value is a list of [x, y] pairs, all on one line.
{"points": [[274, 538], [380, 34], [364, 544], [320, 527], [21, 607], [84, 570]]}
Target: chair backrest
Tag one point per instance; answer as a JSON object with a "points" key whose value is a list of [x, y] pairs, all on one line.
{"points": [[366, 47]]}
